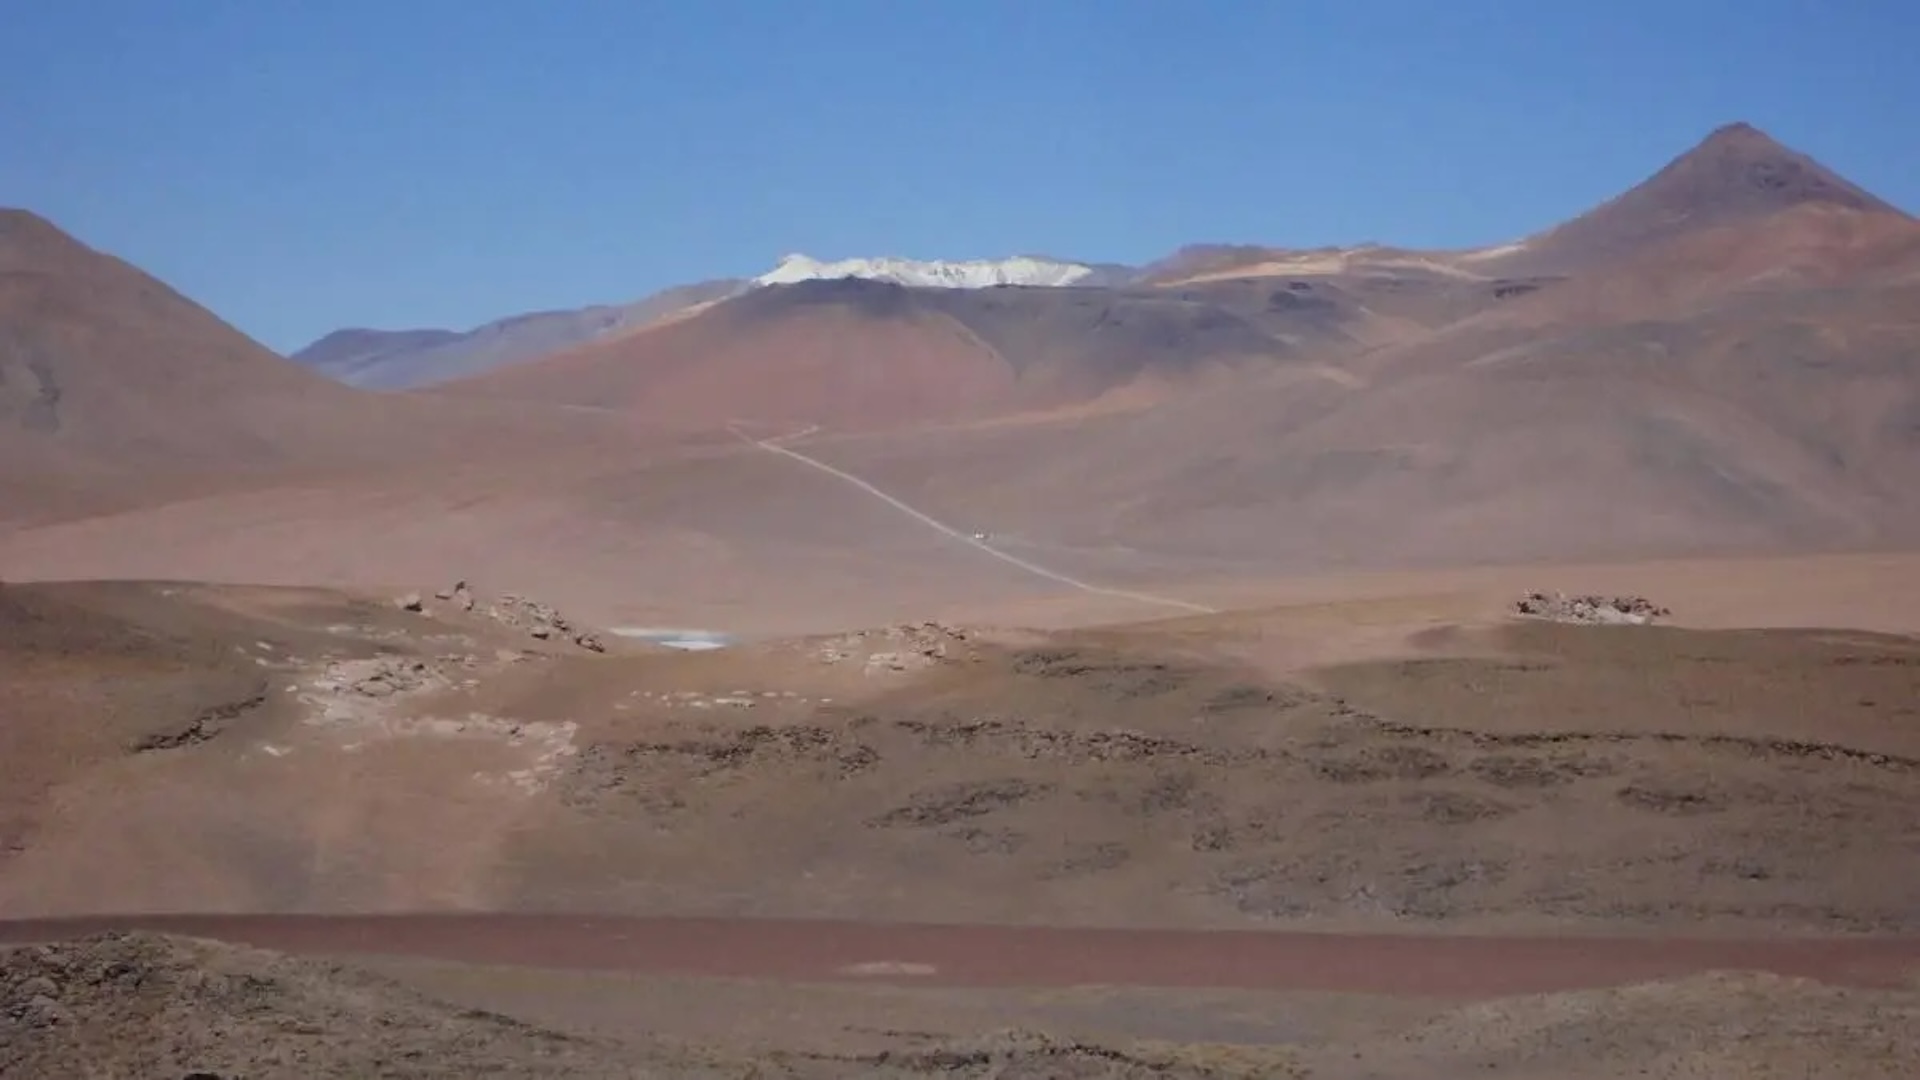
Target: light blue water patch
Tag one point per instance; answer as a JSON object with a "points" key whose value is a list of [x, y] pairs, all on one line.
{"points": [[676, 637]]}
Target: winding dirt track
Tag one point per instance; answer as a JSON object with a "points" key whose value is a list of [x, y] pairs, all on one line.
{"points": [[1452, 966], [777, 446]]}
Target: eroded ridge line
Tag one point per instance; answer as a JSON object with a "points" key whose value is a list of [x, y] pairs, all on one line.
{"points": [[773, 446]]}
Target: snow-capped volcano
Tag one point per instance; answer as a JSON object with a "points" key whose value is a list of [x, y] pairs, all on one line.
{"points": [[969, 274]]}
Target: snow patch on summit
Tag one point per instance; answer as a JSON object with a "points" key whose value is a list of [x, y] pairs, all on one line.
{"points": [[943, 274]]}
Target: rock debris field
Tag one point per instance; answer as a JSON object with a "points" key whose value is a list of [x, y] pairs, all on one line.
{"points": [[540, 621], [1593, 610]]}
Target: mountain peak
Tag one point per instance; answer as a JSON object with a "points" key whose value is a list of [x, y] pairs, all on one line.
{"points": [[1736, 133], [1739, 170], [1743, 142], [1736, 173], [29, 240], [14, 219]]}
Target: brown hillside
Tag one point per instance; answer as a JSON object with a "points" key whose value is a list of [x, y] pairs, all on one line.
{"points": [[1736, 174], [1737, 212], [106, 362], [863, 355], [114, 388], [1748, 385], [848, 357]]}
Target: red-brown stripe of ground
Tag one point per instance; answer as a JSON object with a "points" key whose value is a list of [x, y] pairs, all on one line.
{"points": [[1456, 966]]}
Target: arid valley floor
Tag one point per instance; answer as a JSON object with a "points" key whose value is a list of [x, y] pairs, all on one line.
{"points": [[1141, 679], [1396, 833]]}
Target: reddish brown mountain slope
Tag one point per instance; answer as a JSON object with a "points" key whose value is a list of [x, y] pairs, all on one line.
{"points": [[852, 354], [115, 388], [98, 360], [1750, 383], [865, 355], [1736, 174]]}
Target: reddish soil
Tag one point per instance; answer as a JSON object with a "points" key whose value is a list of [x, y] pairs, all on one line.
{"points": [[1457, 966]]}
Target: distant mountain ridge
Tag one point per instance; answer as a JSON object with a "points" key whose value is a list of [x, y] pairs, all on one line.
{"points": [[1736, 173], [343, 352], [1724, 356], [404, 359], [408, 359]]}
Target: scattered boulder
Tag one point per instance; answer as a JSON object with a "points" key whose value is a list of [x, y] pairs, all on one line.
{"points": [[898, 648], [391, 680], [1591, 609], [459, 594], [540, 621], [381, 676], [543, 622]]}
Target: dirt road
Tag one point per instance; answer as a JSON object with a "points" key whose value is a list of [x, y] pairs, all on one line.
{"points": [[776, 446], [1451, 966]]}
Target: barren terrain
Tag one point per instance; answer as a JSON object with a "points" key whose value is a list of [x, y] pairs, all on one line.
{"points": [[142, 1005], [1531, 776], [1718, 362], [1122, 681], [1439, 805]]}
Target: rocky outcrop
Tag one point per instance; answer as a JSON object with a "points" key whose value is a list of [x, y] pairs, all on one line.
{"points": [[459, 594], [384, 676], [898, 648], [1596, 610], [540, 621]]}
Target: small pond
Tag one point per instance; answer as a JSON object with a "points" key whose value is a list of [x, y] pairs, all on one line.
{"points": [[676, 638]]}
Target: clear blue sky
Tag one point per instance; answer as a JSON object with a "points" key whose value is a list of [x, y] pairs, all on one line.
{"points": [[300, 165]]}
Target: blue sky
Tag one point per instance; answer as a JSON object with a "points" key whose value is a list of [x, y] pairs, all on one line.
{"points": [[301, 165]]}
